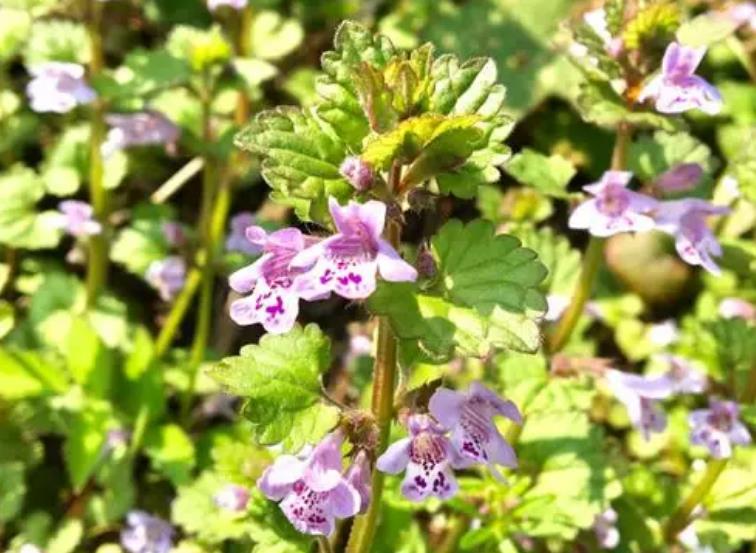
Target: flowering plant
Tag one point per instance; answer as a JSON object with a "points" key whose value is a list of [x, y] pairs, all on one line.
{"points": [[444, 302]]}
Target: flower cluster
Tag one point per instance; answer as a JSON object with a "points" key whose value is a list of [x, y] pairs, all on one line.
{"points": [[428, 455], [294, 265], [312, 488], [614, 209], [717, 428]]}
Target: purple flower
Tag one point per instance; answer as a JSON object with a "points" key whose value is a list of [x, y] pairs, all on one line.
{"points": [[358, 475], [677, 89], [718, 428], [614, 208], [346, 263], [312, 491], [680, 378], [167, 276], [58, 87], [235, 4], [237, 240], [732, 308], [146, 534], [604, 526], [680, 178], [139, 129], [359, 174], [428, 457], [232, 498], [116, 439], [686, 221], [640, 397], [76, 219], [273, 283], [470, 416], [174, 234], [742, 13]]}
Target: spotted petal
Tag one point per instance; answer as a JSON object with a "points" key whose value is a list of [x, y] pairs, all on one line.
{"points": [[428, 478], [276, 308]]}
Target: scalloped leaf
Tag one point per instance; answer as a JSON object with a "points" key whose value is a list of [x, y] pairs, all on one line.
{"points": [[300, 159], [281, 379], [470, 88], [340, 105], [21, 226], [484, 297]]}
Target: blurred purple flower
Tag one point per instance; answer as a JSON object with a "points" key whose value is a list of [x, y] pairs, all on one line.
{"points": [[640, 397], [680, 178], [428, 457], [174, 234], [681, 377], [347, 262], [718, 428], [742, 13], [167, 276], [312, 491], [733, 308], [58, 87], [139, 129], [677, 89], [146, 534], [235, 4], [273, 284], [469, 416], [237, 240], [604, 526], [359, 174], [218, 405], [686, 221], [614, 208], [116, 438], [358, 475], [232, 497], [76, 219]]}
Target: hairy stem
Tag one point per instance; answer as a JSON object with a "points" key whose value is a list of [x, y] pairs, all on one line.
{"points": [[594, 255], [97, 262], [384, 381], [681, 517]]}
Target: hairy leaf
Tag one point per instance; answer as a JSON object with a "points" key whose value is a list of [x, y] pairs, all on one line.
{"points": [[547, 174]]}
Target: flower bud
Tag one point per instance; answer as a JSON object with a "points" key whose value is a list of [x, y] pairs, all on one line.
{"points": [[680, 178], [426, 265], [359, 174]]}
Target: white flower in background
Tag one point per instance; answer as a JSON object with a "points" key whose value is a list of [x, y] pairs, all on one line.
{"points": [[58, 87]]}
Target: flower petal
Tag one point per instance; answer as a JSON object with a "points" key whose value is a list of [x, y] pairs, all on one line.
{"points": [[394, 460], [344, 500], [445, 406], [422, 480], [243, 280], [391, 265], [278, 478]]}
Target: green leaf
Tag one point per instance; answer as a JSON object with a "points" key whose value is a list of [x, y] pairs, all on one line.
{"points": [[253, 71], [196, 512], [483, 297], [145, 72], [171, 451], [202, 48], [470, 88], [549, 175], [339, 105], [301, 159], [7, 318], [57, 40], [67, 538], [143, 241], [599, 104], [562, 261], [29, 374], [281, 379], [429, 144], [649, 156], [89, 361], [143, 386], [706, 29], [14, 29], [274, 37], [12, 490], [21, 226], [84, 442]]}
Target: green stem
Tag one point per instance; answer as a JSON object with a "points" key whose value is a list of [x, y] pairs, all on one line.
{"points": [[97, 261], [592, 258], [177, 313], [681, 517], [384, 381], [324, 546]]}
